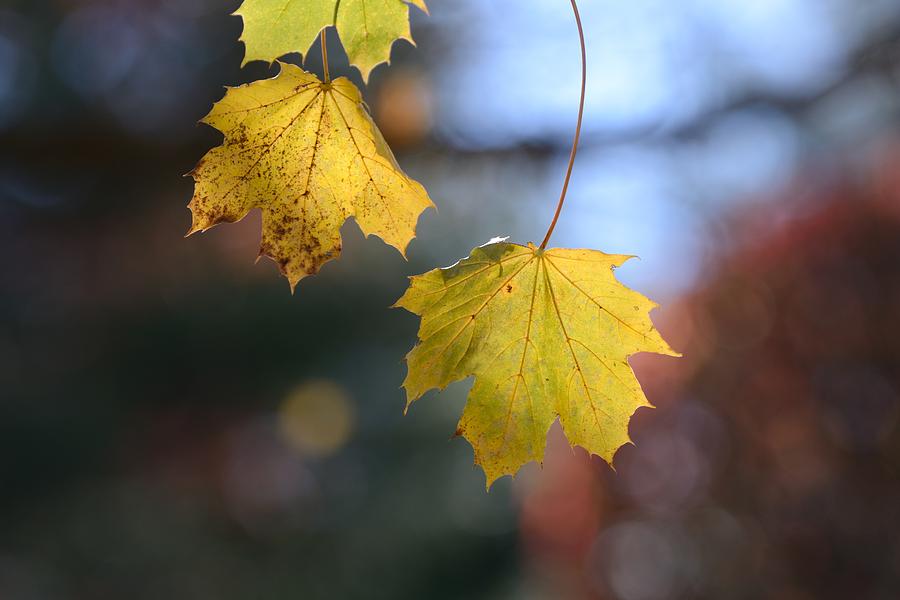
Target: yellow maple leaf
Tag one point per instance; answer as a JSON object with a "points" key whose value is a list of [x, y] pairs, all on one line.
{"points": [[547, 334], [367, 28], [309, 156]]}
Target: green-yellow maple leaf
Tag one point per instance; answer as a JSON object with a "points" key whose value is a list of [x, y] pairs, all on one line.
{"points": [[309, 156], [547, 334], [368, 28]]}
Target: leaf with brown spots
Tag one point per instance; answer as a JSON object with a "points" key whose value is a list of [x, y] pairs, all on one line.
{"points": [[547, 334], [308, 155]]}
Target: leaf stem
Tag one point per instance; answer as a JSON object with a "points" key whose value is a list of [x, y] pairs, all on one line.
{"points": [[325, 56], [565, 189]]}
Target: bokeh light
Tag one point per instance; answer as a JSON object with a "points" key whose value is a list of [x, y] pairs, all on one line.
{"points": [[316, 418]]}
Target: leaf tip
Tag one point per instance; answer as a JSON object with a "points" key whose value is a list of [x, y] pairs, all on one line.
{"points": [[410, 397], [421, 5], [294, 278], [194, 228], [491, 479]]}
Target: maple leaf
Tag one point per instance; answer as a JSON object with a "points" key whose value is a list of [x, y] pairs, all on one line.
{"points": [[547, 334], [309, 156], [367, 28]]}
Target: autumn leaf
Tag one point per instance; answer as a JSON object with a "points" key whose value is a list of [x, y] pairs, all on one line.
{"points": [[309, 156], [367, 28], [547, 334]]}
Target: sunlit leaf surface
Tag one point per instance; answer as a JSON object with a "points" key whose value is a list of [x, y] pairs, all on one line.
{"points": [[547, 334]]}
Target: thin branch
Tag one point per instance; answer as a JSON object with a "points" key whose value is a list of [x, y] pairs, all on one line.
{"points": [[565, 189], [325, 56]]}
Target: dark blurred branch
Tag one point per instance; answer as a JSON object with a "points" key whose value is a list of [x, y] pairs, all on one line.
{"points": [[96, 139]]}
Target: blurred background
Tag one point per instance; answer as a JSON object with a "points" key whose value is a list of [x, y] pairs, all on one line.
{"points": [[174, 424]]}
